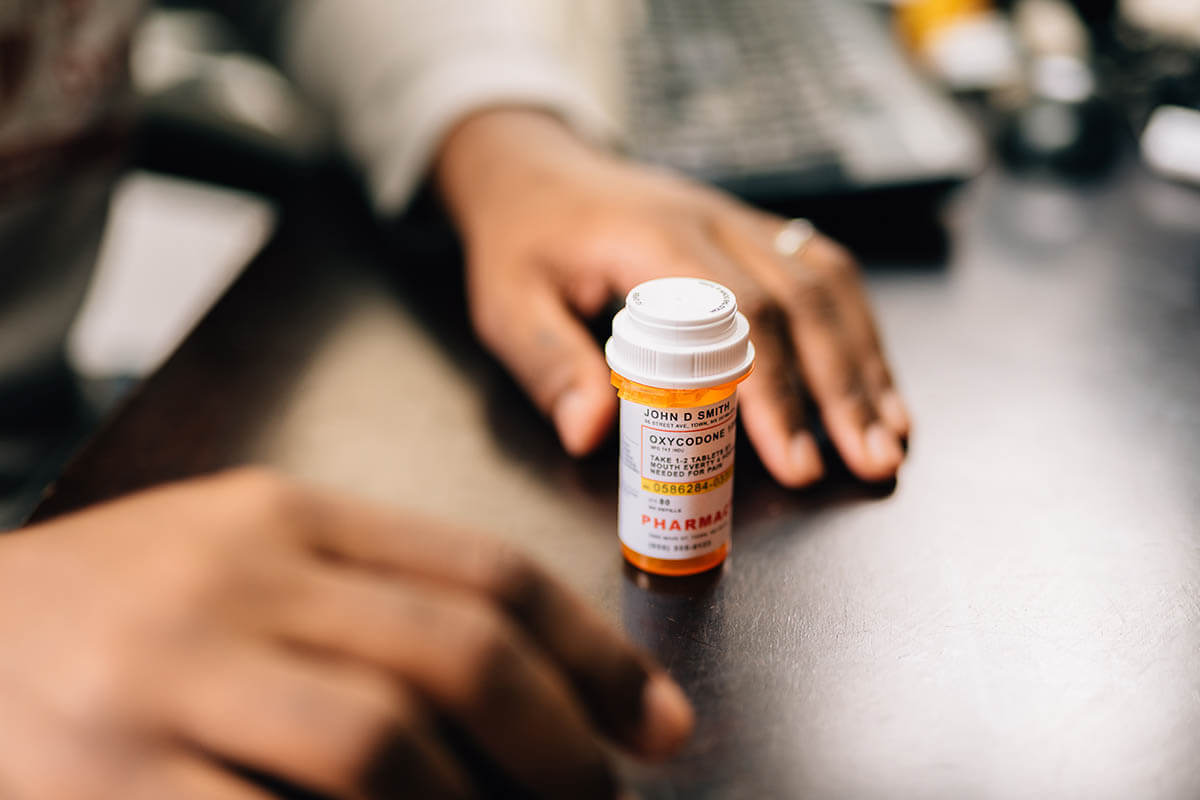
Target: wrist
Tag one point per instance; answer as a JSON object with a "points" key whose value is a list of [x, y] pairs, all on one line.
{"points": [[491, 151]]}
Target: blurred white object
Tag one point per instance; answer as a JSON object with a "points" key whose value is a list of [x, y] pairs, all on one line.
{"points": [[170, 250], [1063, 79], [1178, 20], [1050, 28], [1171, 142], [977, 53]]}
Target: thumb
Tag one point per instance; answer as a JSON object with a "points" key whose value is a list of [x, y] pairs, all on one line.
{"points": [[543, 344]]}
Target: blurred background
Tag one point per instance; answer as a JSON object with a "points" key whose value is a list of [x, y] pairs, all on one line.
{"points": [[866, 116]]}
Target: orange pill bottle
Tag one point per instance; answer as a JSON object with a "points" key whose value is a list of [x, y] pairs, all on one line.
{"points": [[678, 351]]}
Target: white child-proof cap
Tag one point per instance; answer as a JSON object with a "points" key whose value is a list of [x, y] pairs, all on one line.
{"points": [[680, 333]]}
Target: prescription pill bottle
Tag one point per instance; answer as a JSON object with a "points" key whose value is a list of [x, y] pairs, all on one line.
{"points": [[678, 351]]}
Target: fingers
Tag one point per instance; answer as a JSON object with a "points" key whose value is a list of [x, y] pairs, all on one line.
{"points": [[832, 371], [532, 331], [836, 350], [772, 407], [185, 776], [628, 697], [334, 729], [471, 662], [859, 326]]}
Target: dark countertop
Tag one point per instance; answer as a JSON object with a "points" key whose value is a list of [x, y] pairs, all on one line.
{"points": [[1020, 617]]}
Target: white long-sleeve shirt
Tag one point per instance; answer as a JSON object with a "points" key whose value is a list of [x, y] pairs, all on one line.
{"points": [[396, 75], [393, 74]]}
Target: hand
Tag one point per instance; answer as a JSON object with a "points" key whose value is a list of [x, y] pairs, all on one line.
{"points": [[168, 644], [553, 228]]}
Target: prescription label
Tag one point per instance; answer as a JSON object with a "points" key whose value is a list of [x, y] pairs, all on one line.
{"points": [[676, 478]]}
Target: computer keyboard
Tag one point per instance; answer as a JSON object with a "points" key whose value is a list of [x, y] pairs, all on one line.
{"points": [[779, 99]]}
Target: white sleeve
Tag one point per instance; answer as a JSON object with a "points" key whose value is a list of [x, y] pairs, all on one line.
{"points": [[397, 74]]}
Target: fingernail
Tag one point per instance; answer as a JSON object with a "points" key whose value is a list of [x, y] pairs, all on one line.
{"points": [[570, 419], [894, 412], [667, 718], [806, 459], [883, 446]]}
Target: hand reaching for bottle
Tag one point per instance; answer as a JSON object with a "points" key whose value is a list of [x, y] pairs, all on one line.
{"points": [[553, 228]]}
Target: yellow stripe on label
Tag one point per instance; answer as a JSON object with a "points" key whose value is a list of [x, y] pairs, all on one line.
{"points": [[691, 487]]}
